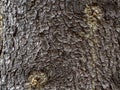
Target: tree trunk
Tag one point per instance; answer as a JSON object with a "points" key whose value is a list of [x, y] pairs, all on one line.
{"points": [[60, 45]]}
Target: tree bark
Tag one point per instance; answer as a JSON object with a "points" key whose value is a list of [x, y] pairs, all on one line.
{"points": [[60, 45]]}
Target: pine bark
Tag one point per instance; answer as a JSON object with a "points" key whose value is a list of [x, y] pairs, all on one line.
{"points": [[59, 39]]}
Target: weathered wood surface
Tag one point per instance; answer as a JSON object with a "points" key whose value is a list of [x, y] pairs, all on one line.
{"points": [[75, 46]]}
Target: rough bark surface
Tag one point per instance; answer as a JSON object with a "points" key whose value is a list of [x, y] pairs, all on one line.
{"points": [[55, 37], [0, 28]]}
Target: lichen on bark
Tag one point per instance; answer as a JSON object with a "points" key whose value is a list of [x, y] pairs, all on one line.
{"points": [[53, 36]]}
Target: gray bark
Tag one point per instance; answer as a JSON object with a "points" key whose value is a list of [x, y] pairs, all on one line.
{"points": [[55, 37]]}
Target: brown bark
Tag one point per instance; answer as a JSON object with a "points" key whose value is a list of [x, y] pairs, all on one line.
{"points": [[60, 45]]}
